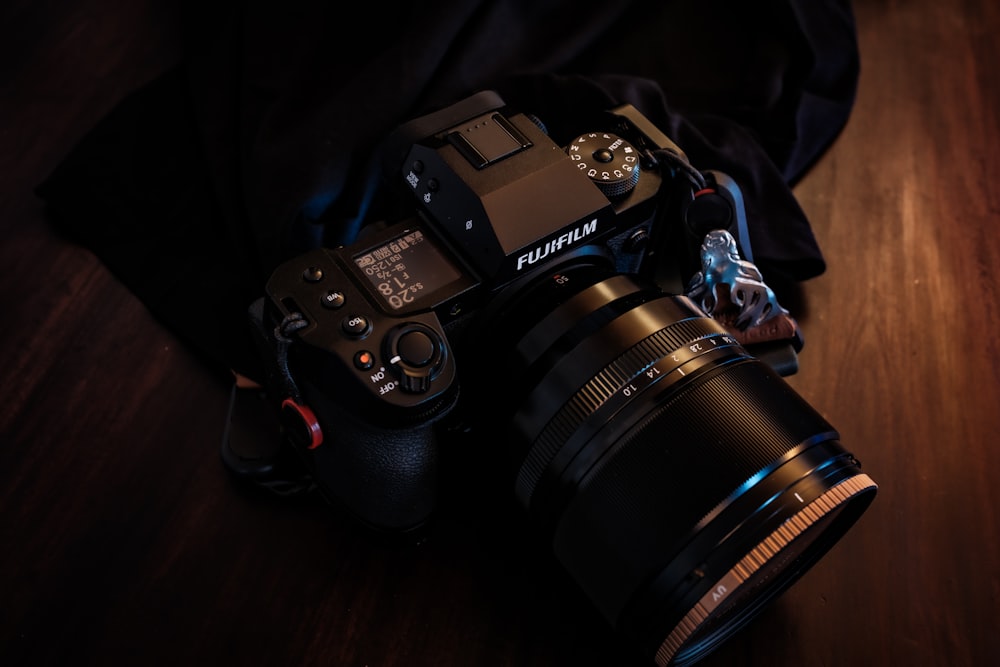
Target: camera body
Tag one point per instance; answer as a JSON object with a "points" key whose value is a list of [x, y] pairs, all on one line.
{"points": [[528, 303], [366, 345]]}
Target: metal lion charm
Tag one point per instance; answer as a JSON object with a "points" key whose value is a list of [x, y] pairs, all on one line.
{"points": [[732, 289]]}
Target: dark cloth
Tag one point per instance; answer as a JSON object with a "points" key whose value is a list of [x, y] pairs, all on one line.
{"points": [[261, 141]]}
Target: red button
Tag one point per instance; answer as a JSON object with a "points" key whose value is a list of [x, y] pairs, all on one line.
{"points": [[364, 360]]}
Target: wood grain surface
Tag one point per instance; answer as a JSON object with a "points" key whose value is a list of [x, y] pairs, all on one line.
{"points": [[124, 542]]}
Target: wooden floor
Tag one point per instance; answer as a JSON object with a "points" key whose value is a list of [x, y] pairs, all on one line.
{"points": [[123, 541]]}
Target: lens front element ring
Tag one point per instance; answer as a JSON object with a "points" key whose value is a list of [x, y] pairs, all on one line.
{"points": [[795, 533]]}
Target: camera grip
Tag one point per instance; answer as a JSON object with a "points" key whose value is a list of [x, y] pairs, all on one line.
{"points": [[386, 477]]}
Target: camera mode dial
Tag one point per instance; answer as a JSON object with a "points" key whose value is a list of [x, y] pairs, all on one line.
{"points": [[608, 160], [416, 353]]}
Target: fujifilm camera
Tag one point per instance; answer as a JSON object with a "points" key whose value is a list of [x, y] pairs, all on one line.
{"points": [[582, 305]]}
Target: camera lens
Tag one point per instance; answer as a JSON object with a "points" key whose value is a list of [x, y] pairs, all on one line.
{"points": [[681, 482]]}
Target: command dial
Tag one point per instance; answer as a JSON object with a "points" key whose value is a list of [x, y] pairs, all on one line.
{"points": [[611, 162]]}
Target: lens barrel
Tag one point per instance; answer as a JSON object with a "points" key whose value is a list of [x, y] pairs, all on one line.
{"points": [[682, 482]]}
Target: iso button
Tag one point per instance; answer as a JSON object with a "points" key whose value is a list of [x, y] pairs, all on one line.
{"points": [[356, 326], [416, 353]]}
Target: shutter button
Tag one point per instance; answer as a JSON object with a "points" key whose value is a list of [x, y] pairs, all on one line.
{"points": [[416, 348], [416, 353]]}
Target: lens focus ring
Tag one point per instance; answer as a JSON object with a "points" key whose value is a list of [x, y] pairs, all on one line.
{"points": [[662, 356]]}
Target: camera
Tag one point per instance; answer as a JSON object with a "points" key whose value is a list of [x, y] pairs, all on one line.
{"points": [[581, 303]]}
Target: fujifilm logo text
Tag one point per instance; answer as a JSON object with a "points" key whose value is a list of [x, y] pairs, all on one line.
{"points": [[556, 244]]}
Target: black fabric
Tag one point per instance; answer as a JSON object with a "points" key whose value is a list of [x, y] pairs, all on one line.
{"points": [[260, 142]]}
